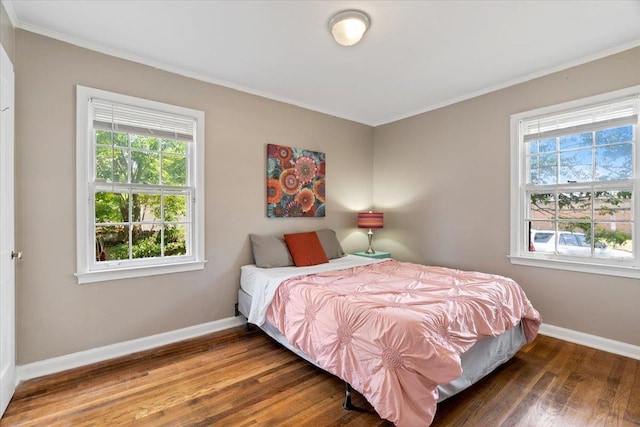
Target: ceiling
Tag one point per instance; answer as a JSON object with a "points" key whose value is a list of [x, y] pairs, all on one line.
{"points": [[417, 55]]}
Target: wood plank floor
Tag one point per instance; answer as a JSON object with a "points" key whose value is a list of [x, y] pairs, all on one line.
{"points": [[234, 378]]}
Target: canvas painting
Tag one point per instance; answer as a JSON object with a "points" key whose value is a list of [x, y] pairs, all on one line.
{"points": [[295, 182]]}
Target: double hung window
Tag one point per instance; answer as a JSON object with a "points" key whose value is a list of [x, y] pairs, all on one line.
{"points": [[139, 187], [575, 192]]}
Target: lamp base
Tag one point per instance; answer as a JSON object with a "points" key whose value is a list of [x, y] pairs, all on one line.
{"points": [[370, 250]]}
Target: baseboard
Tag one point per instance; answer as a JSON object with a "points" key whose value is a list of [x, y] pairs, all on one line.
{"points": [[99, 354], [593, 341]]}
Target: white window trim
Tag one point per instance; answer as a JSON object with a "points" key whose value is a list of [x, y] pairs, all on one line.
{"points": [[518, 254], [84, 232]]}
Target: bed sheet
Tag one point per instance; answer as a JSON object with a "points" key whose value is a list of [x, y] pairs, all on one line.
{"points": [[261, 283]]}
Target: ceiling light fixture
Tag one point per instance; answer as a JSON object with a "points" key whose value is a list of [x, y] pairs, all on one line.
{"points": [[349, 26]]}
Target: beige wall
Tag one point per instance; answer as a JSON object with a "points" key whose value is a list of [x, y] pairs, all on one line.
{"points": [[436, 176], [55, 315], [7, 33], [442, 179]]}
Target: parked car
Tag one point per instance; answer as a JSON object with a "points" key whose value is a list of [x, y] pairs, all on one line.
{"points": [[570, 243]]}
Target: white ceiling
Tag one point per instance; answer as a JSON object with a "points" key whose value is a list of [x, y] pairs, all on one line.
{"points": [[417, 55]]}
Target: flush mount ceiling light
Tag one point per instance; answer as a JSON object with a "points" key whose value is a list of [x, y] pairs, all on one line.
{"points": [[349, 26]]}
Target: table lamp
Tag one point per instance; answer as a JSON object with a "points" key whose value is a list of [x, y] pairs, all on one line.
{"points": [[370, 220]]}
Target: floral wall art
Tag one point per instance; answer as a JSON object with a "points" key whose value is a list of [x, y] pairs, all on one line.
{"points": [[295, 182]]}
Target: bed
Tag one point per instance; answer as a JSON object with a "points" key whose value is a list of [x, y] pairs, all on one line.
{"points": [[404, 335]]}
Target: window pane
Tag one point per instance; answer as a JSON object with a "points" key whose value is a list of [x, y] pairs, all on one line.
{"points": [[147, 207], [111, 207], [547, 145], [175, 207], [171, 146], [614, 162], [541, 238], [145, 167], [113, 240], [614, 240], [120, 139], [546, 169], [104, 164], [542, 169], [145, 142], [542, 206], [574, 244], [576, 166], [174, 170], [105, 138], [146, 241], [576, 205], [576, 141], [175, 239], [614, 135], [613, 205], [120, 165]]}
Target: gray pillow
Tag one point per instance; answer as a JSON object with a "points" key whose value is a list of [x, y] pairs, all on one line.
{"points": [[330, 243], [270, 251]]}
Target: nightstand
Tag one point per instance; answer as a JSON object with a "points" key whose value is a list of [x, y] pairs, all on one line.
{"points": [[376, 255]]}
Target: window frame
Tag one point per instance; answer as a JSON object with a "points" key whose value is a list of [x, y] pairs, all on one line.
{"points": [[88, 270], [519, 253]]}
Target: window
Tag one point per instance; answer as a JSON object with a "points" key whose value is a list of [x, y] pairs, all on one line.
{"points": [[140, 187], [574, 192]]}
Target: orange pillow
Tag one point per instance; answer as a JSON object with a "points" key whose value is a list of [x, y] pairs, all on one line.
{"points": [[305, 249]]}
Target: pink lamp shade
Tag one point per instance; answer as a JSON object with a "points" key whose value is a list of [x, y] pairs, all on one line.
{"points": [[370, 220]]}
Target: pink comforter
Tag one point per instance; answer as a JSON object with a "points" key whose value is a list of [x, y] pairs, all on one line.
{"points": [[395, 330]]}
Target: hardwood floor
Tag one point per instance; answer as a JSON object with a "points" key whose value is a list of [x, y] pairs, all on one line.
{"points": [[234, 378]]}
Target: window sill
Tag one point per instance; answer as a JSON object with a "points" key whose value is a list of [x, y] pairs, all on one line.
{"points": [[133, 272], [582, 267]]}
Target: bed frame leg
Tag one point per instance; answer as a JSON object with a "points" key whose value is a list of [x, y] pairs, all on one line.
{"points": [[347, 399]]}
